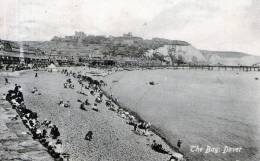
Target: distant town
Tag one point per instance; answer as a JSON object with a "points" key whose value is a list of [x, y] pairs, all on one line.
{"points": [[126, 50]]}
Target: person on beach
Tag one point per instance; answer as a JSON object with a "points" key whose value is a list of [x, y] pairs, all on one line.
{"points": [[92, 93], [173, 158], [108, 103], [102, 83], [179, 143], [44, 133], [61, 102], [67, 104], [86, 102], [87, 86], [95, 107], [80, 83], [89, 136], [158, 147], [101, 95], [34, 90], [36, 75], [58, 146], [131, 120], [19, 95], [98, 100], [65, 85], [3, 96], [47, 123], [71, 86], [16, 87], [154, 144], [55, 132], [135, 127], [22, 106], [147, 126], [82, 107], [68, 80], [6, 81]]}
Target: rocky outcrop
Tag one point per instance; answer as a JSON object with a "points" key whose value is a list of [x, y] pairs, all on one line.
{"points": [[189, 53]]}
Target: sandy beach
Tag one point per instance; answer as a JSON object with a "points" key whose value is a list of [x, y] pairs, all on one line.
{"points": [[112, 140]]}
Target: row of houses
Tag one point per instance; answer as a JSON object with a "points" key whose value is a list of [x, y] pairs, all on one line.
{"points": [[17, 53], [13, 53], [16, 58]]}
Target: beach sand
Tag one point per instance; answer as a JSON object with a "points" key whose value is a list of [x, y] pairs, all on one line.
{"points": [[112, 140]]}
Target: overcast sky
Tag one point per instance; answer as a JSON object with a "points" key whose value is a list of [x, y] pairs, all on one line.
{"points": [[207, 24]]}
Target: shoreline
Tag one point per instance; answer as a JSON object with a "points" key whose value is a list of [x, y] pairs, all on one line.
{"points": [[153, 128], [119, 90], [113, 140], [174, 151]]}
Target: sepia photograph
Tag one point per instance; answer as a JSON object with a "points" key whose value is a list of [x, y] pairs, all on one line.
{"points": [[129, 80]]}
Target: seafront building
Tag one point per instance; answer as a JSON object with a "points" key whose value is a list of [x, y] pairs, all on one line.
{"points": [[14, 54]]}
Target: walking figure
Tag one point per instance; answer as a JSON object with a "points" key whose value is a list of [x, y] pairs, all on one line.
{"points": [[89, 136], [6, 81]]}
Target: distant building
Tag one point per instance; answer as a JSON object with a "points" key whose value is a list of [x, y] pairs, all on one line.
{"points": [[13, 54], [70, 38], [58, 59], [126, 39], [80, 35], [74, 59], [129, 35]]}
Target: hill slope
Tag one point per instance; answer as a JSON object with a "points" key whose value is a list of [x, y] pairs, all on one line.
{"points": [[132, 46], [229, 58]]}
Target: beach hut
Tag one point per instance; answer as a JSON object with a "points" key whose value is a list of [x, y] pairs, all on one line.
{"points": [[52, 68]]}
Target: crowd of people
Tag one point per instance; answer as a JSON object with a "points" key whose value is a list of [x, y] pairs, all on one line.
{"points": [[68, 84], [140, 127], [45, 132]]}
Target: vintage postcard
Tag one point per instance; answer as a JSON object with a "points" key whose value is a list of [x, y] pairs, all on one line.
{"points": [[130, 80]]}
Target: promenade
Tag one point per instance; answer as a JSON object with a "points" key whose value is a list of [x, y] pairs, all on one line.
{"points": [[16, 143]]}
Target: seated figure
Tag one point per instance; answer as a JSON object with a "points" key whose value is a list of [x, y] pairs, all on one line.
{"points": [[89, 136], [82, 106], [54, 132], [95, 107], [67, 104]]}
